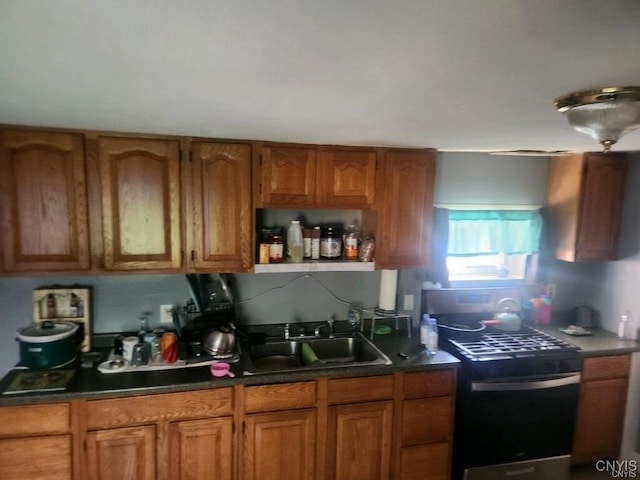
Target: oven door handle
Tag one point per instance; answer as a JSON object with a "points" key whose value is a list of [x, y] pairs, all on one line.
{"points": [[537, 384]]}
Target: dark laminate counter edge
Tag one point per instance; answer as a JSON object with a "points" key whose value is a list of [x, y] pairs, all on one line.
{"points": [[91, 384]]}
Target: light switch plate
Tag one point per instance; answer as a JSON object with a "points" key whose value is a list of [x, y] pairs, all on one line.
{"points": [[165, 314], [407, 303]]}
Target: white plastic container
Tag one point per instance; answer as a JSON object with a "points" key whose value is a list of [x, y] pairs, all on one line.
{"points": [[295, 246], [429, 334]]}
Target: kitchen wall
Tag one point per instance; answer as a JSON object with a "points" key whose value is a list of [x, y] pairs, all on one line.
{"points": [[462, 178]]}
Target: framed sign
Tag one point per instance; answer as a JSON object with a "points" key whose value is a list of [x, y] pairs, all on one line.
{"points": [[70, 304]]}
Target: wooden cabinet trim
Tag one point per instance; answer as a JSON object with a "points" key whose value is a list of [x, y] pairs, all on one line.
{"points": [[35, 419], [429, 384], [599, 368], [360, 389], [117, 412], [282, 396]]}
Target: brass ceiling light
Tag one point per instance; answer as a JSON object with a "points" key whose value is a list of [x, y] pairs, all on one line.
{"points": [[605, 114]]}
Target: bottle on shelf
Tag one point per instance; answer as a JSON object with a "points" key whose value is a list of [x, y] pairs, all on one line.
{"points": [[306, 242], [295, 246], [330, 244], [351, 241], [275, 248], [315, 243]]}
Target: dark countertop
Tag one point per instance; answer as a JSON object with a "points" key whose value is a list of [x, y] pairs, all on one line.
{"points": [[89, 383], [600, 343]]}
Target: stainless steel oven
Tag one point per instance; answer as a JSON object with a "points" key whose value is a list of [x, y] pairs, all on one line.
{"points": [[517, 392]]}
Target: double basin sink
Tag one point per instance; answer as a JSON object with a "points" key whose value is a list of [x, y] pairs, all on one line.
{"points": [[312, 353]]}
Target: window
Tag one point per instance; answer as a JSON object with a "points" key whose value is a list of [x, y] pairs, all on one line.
{"points": [[490, 247]]}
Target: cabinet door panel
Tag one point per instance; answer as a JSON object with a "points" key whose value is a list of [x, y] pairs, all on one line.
{"points": [[288, 176], [405, 205], [141, 203], [44, 201], [347, 178], [123, 453], [359, 441], [221, 187], [601, 215], [427, 420], [37, 458], [425, 462], [280, 445], [201, 449], [598, 436]]}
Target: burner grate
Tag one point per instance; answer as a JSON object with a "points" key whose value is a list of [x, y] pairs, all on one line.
{"points": [[532, 341]]}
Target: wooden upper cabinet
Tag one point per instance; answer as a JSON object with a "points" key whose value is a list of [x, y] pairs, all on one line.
{"points": [[288, 176], [585, 200], [43, 197], [221, 205], [404, 199], [317, 177], [346, 178], [140, 181]]}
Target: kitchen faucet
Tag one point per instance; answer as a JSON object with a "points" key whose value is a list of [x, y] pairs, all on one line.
{"points": [[287, 331], [329, 325]]}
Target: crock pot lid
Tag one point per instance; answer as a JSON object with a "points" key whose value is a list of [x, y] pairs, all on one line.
{"points": [[47, 332]]}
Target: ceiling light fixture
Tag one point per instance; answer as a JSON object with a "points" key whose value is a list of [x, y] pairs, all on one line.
{"points": [[605, 114]]}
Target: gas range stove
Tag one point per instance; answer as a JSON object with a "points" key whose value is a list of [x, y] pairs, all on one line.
{"points": [[507, 345]]}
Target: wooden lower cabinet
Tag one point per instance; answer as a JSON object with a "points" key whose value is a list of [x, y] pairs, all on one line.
{"points": [[280, 445], [36, 442], [122, 453], [359, 441], [36, 458], [201, 449], [601, 408], [385, 427]]}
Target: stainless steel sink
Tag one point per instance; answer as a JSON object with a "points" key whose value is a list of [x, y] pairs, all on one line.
{"points": [[286, 355]]}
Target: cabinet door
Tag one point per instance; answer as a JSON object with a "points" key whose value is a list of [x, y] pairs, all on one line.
{"points": [[600, 420], [602, 201], [122, 453], [288, 176], [36, 458], [141, 203], [44, 201], [404, 198], [280, 445], [201, 449], [359, 441], [222, 216], [346, 178]]}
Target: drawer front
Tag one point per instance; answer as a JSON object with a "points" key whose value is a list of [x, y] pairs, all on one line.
{"points": [[283, 396], [428, 384], [615, 366], [426, 420], [35, 419], [425, 462], [36, 458], [363, 389], [152, 408]]}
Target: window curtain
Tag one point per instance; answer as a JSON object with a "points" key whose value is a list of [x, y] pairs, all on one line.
{"points": [[490, 232], [437, 271]]}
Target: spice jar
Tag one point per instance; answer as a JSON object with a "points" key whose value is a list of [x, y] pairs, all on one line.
{"points": [[330, 243], [276, 248]]}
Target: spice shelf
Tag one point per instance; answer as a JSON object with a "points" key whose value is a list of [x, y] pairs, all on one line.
{"points": [[315, 266]]}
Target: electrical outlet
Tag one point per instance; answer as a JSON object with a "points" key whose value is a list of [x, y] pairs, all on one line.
{"points": [[165, 314], [550, 289], [408, 303]]}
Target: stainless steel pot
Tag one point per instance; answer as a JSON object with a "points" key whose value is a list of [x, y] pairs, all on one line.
{"points": [[219, 341], [48, 344]]}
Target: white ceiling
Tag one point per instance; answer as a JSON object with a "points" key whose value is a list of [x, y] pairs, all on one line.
{"points": [[449, 74]]}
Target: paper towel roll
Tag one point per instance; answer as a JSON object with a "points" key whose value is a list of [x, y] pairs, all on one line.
{"points": [[388, 287]]}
